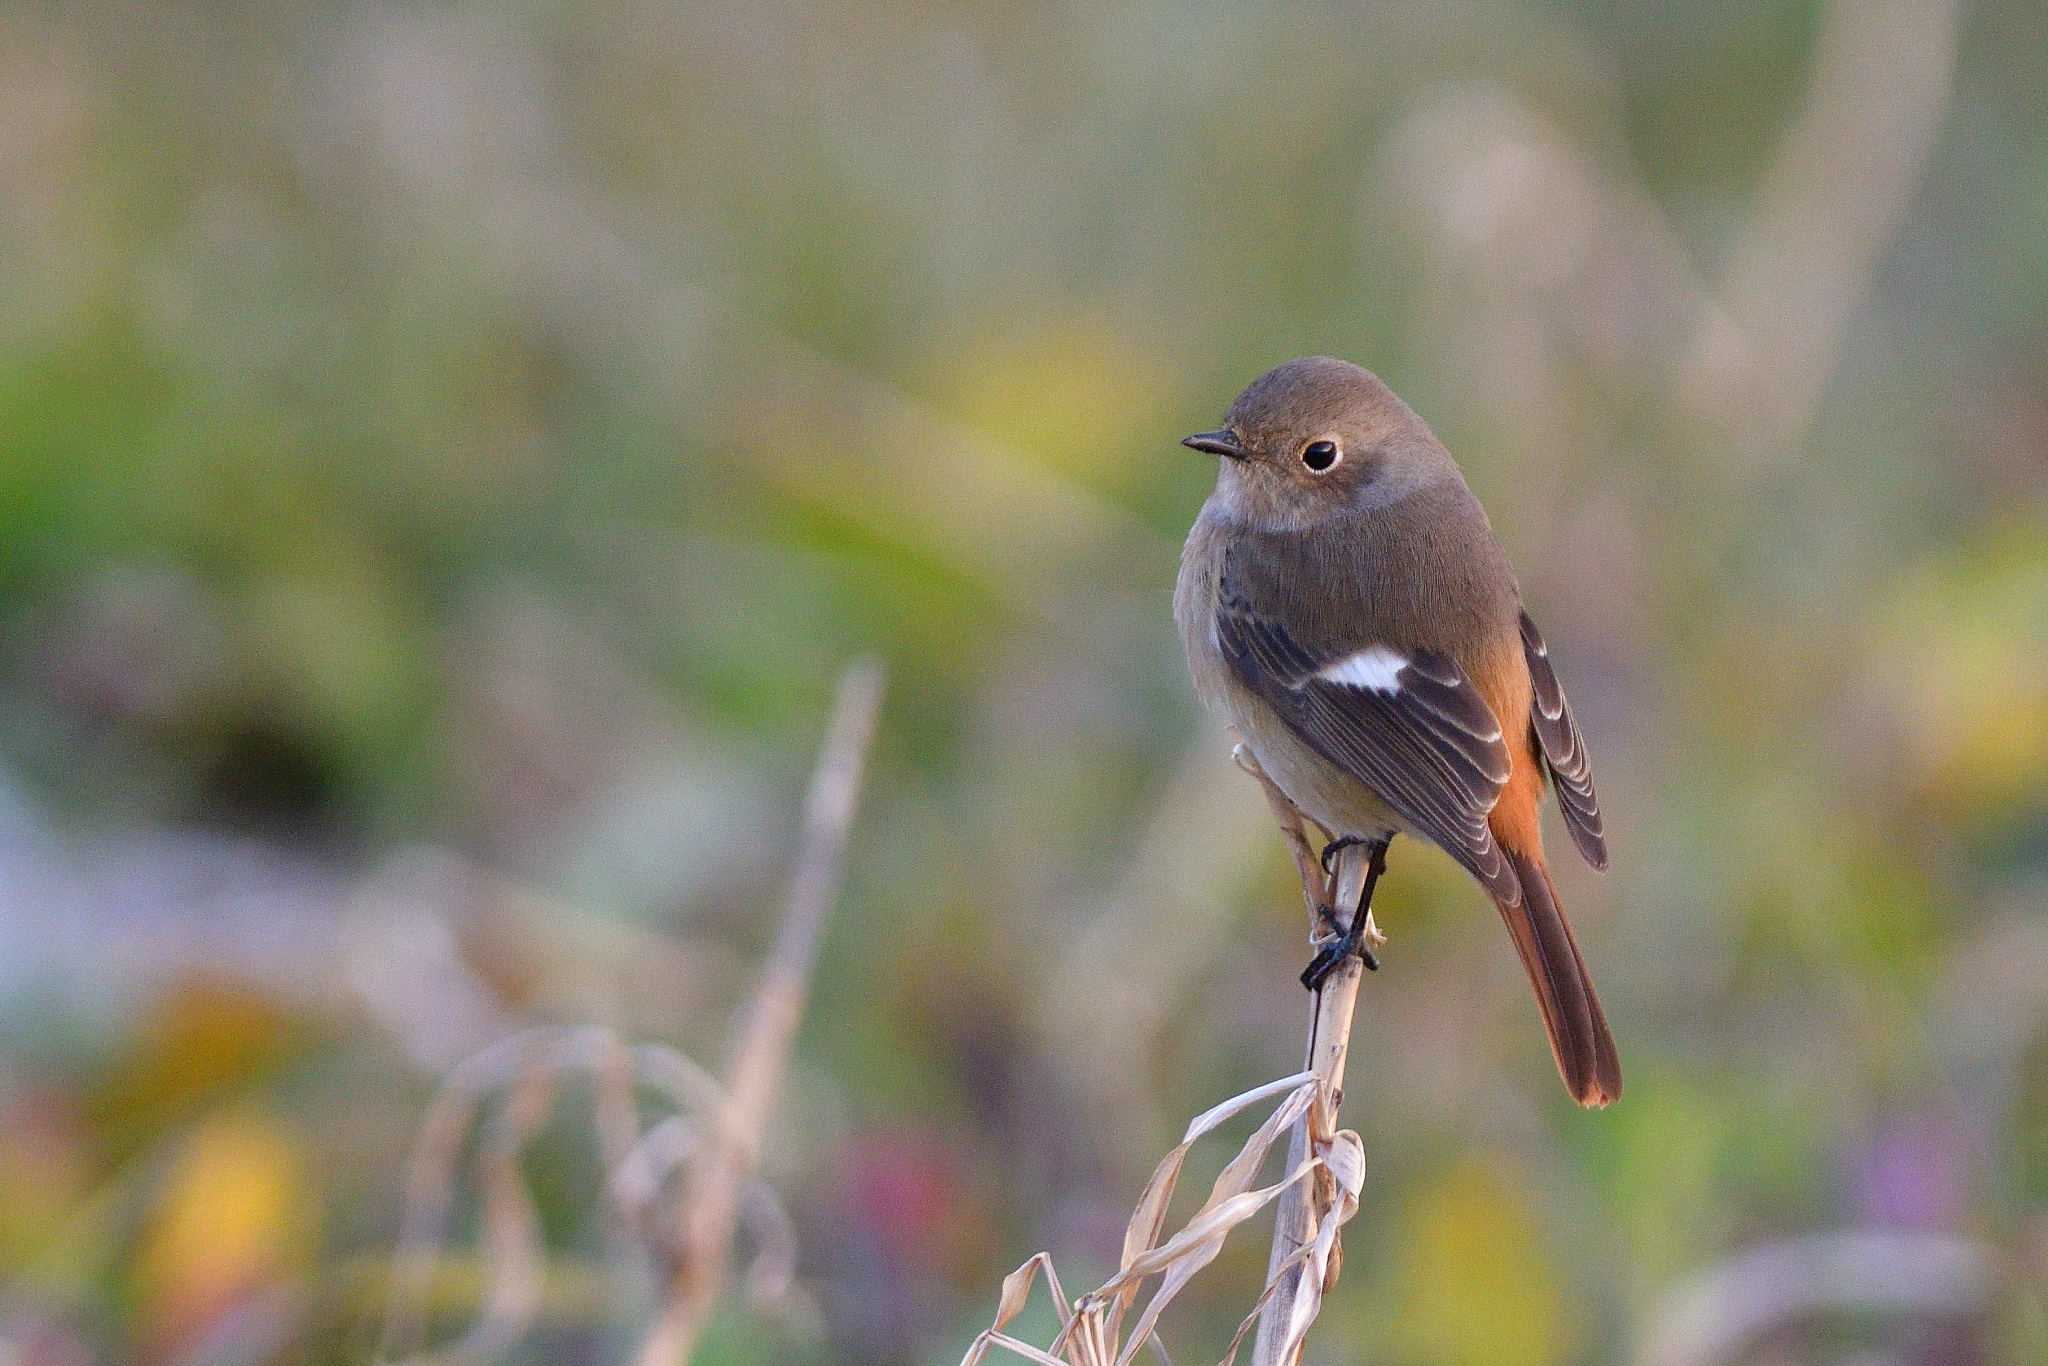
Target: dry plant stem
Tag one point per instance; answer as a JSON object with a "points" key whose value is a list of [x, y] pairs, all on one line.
{"points": [[1814, 239], [713, 1185], [522, 1075], [1329, 1043]]}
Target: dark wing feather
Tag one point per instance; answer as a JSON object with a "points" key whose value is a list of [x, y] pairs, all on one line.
{"points": [[1429, 747], [1564, 750]]}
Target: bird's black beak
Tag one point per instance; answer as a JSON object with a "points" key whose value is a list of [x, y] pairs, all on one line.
{"points": [[1223, 442]]}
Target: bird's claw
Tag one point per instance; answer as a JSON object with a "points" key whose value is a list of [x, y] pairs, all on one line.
{"points": [[1334, 848], [1333, 948], [1330, 955]]}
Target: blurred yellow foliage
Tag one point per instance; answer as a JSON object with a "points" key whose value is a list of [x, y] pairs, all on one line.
{"points": [[201, 1035], [236, 1213], [1967, 631], [1065, 388], [1473, 1285]]}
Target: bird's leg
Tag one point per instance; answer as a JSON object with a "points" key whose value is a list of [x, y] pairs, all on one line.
{"points": [[1316, 889], [1334, 848], [1326, 916], [1359, 934]]}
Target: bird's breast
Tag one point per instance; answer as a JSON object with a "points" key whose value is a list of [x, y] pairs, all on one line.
{"points": [[1324, 792]]}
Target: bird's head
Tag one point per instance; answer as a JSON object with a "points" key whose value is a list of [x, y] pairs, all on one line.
{"points": [[1317, 438]]}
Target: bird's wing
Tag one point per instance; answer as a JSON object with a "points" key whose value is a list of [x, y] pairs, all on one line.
{"points": [[1564, 750], [1405, 722]]}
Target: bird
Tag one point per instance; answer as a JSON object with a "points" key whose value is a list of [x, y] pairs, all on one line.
{"points": [[1343, 600]]}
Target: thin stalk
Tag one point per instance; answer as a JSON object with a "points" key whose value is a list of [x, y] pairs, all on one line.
{"points": [[713, 1185]]}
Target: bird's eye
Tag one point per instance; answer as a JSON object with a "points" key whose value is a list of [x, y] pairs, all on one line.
{"points": [[1320, 455]]}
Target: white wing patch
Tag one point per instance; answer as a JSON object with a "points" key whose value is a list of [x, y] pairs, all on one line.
{"points": [[1375, 668]]}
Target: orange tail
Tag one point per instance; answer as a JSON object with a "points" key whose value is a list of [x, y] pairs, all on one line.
{"points": [[1571, 1012]]}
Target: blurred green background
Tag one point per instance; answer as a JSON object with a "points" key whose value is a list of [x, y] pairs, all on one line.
{"points": [[448, 452]]}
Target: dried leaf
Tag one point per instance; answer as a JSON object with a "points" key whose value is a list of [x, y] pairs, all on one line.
{"points": [[1195, 1246], [1343, 1156], [1150, 1215]]}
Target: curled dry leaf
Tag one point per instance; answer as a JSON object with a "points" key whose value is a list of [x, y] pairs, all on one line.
{"points": [[520, 1074], [1015, 1295], [1342, 1157], [1091, 1328]]}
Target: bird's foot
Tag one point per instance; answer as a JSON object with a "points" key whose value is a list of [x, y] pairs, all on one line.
{"points": [[1333, 949], [1336, 847]]}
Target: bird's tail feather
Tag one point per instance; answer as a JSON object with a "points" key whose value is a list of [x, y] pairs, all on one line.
{"points": [[1579, 1039]]}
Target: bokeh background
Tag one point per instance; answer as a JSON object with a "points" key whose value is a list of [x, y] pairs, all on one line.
{"points": [[449, 451]]}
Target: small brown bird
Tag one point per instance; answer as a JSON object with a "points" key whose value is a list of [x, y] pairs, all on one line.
{"points": [[1343, 598]]}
